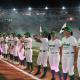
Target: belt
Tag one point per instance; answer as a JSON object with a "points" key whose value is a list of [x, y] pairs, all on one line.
{"points": [[66, 53], [72, 52], [69, 53], [54, 52], [43, 50], [28, 48]]}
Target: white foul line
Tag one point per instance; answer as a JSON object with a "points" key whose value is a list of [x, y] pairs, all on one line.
{"points": [[33, 77]]}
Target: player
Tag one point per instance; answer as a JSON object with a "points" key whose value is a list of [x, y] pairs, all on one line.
{"points": [[28, 51], [43, 54], [5, 46], [11, 47], [21, 52], [69, 47], [54, 54], [15, 49]]}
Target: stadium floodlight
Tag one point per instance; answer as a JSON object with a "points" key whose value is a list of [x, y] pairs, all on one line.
{"points": [[46, 8], [63, 8], [14, 9], [71, 18], [29, 8]]}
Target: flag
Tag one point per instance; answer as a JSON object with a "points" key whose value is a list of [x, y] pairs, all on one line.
{"points": [[40, 29], [62, 28]]}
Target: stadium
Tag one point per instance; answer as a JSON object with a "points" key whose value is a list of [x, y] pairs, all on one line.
{"points": [[22, 19]]}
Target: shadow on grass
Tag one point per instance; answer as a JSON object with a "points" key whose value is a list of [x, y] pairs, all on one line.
{"points": [[2, 77]]}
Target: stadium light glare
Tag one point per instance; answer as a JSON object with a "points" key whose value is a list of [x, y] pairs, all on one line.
{"points": [[29, 8], [70, 19], [63, 8], [14, 9], [46, 8]]}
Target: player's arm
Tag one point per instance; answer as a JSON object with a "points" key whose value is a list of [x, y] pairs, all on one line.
{"points": [[75, 53], [60, 48], [60, 53], [77, 50], [37, 38]]}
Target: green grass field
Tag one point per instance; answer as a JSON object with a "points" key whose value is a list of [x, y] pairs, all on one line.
{"points": [[35, 55]]}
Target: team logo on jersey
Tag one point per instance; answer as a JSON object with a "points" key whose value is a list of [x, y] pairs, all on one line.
{"points": [[66, 44], [51, 45]]}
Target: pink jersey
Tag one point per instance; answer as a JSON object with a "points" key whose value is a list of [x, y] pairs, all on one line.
{"points": [[21, 51], [5, 48]]}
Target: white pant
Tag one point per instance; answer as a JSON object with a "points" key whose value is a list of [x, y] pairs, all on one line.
{"points": [[54, 60], [5, 49], [28, 55], [67, 63], [16, 51], [16, 54], [21, 54], [42, 58], [78, 65]]}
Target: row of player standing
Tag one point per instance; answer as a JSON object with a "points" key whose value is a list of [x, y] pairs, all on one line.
{"points": [[48, 49], [16, 48], [64, 51]]}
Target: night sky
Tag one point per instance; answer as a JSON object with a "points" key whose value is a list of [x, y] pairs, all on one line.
{"points": [[38, 3]]}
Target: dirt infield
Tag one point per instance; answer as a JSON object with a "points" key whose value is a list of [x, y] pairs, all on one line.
{"points": [[11, 73]]}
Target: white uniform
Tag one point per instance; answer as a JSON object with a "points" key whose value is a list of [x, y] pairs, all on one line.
{"points": [[78, 61], [11, 45], [54, 54], [28, 49], [5, 46], [68, 54], [43, 55], [16, 46]]}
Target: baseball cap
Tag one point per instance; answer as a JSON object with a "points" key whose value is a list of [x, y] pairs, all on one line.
{"points": [[68, 28], [28, 34], [53, 33], [45, 33]]}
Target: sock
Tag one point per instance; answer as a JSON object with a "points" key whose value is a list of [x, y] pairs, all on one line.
{"points": [[59, 75], [38, 70], [72, 77], [53, 74], [45, 71], [31, 64], [65, 76]]}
